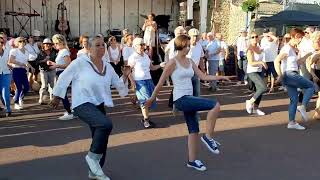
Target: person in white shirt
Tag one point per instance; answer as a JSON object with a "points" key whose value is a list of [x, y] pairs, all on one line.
{"points": [[204, 40], [270, 52], [115, 55], [196, 54], [289, 75], [150, 27], [18, 60], [62, 61], [127, 50], [224, 49], [91, 78], [106, 55], [242, 45], [141, 65], [305, 47], [83, 40], [213, 56], [182, 69], [169, 50], [5, 75], [33, 50]]}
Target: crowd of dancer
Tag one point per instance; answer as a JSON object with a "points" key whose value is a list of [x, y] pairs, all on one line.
{"points": [[191, 58]]}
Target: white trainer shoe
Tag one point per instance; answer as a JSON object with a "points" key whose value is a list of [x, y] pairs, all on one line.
{"points": [[17, 107], [66, 116], [249, 107], [295, 126], [259, 112], [93, 176], [94, 166], [303, 113], [21, 103]]}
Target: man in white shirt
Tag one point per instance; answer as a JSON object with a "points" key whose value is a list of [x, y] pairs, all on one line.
{"points": [[196, 54], [242, 47], [270, 52], [213, 56], [222, 54]]}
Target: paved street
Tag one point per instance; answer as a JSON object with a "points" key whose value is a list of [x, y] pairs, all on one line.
{"points": [[34, 145]]}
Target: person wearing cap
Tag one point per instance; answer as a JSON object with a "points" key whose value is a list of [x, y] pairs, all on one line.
{"points": [[196, 54], [91, 78], [47, 72], [169, 50], [242, 44], [5, 75], [18, 60], [141, 65], [213, 50]]}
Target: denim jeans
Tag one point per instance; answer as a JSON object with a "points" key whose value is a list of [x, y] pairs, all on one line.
{"points": [[196, 85], [5, 80], [65, 101], [213, 69], [292, 80], [271, 70], [20, 78], [260, 86], [100, 126], [242, 65], [190, 106]]}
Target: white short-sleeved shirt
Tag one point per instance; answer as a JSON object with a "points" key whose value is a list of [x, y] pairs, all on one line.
{"points": [[126, 52], [224, 47], [33, 51], [270, 50], [305, 47], [60, 57], [20, 56], [196, 53], [289, 64], [140, 65], [170, 49], [4, 69]]}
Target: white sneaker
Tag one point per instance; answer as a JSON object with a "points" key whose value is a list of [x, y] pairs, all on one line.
{"points": [[17, 107], [295, 126], [249, 107], [303, 112], [245, 82], [259, 112], [66, 116], [21, 102], [94, 166], [93, 176]]}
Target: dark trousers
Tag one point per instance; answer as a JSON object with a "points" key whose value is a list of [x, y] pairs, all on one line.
{"points": [[100, 126], [20, 78], [65, 101]]}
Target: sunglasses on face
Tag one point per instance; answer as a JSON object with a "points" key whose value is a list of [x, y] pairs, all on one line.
{"points": [[254, 37]]}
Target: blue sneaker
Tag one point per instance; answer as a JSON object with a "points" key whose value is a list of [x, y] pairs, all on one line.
{"points": [[211, 144], [197, 164]]}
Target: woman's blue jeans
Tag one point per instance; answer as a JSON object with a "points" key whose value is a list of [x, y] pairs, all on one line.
{"points": [[20, 78], [292, 80], [5, 80]]}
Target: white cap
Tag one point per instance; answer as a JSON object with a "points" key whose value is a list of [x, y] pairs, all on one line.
{"points": [[47, 41], [193, 32], [137, 41]]}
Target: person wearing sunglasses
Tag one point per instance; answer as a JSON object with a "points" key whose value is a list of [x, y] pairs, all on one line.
{"points": [[182, 69], [141, 65], [254, 72], [287, 67], [304, 48], [18, 60], [5, 75]]}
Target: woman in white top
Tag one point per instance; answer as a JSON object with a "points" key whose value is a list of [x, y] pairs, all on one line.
{"points": [[33, 50], [61, 63], [115, 55], [127, 49], [5, 75], [19, 62], [313, 66], [254, 72], [182, 69], [150, 27], [91, 79], [141, 65], [289, 75], [83, 40]]}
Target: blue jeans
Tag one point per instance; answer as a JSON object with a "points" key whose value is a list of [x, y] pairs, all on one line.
{"points": [[65, 101], [190, 106], [196, 85], [20, 78], [242, 65], [5, 80], [213, 69], [260, 86], [292, 80], [100, 126], [271, 70]]}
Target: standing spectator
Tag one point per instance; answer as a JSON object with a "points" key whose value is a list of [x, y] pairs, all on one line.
{"points": [[213, 57], [125, 32], [33, 50], [204, 41], [5, 75], [224, 49], [18, 60], [242, 45], [115, 55], [127, 50], [305, 47], [61, 63], [83, 40], [150, 27], [270, 52], [47, 72]]}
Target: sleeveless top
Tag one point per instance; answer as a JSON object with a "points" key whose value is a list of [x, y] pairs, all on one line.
{"points": [[181, 78], [114, 53], [256, 57]]}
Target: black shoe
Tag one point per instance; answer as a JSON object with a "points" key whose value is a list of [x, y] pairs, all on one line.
{"points": [[147, 124], [8, 114]]}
